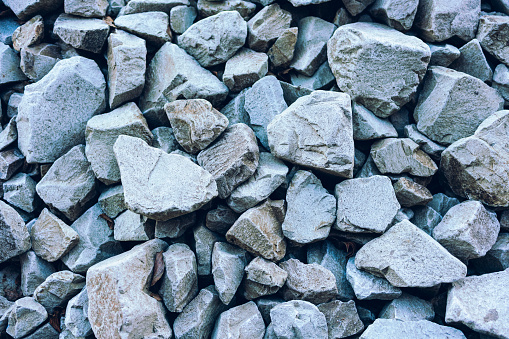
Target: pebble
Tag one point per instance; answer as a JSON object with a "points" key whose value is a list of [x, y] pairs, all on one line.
{"points": [[10, 70], [349, 322], [19, 191], [298, 319], [151, 26], [37, 61], [408, 308], [34, 271], [25, 316], [228, 263], [244, 69], [15, 238], [82, 33], [422, 329], [267, 26], [243, 322], [58, 288], [28, 34]]}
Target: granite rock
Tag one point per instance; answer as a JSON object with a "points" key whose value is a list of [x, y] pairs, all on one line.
{"points": [[245, 68], [82, 33], [267, 26], [243, 321], [14, 236], [154, 27], [298, 319], [58, 288], [228, 263]]}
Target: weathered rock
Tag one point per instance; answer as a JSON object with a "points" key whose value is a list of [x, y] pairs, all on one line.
{"points": [[349, 322], [13, 104], [36, 61], [76, 315], [433, 149], [408, 308], [501, 80], [266, 304], [401, 61], [298, 319], [453, 104], [119, 301], [226, 32], [9, 65], [410, 193], [234, 110], [356, 7], [228, 263], [426, 218], [9, 134], [243, 321], [175, 227], [208, 8], [398, 14], [25, 316], [19, 191], [130, 226], [25, 9], [298, 3], [232, 159], [442, 203], [140, 6], [44, 332], [28, 34], [181, 18], [367, 126], [321, 79], [479, 303], [9, 24], [82, 33], [14, 237], [158, 185], [443, 54], [10, 161], [281, 52], [112, 201], [497, 258], [244, 69], [422, 329], [262, 278], [58, 288], [221, 218], [266, 26], [492, 36], [34, 271], [408, 257], [164, 139], [472, 61], [356, 196], [204, 240], [89, 9], [151, 26]]}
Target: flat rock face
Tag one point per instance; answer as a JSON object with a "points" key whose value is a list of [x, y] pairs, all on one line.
{"points": [[422, 329], [410, 193], [151, 26], [10, 65], [398, 14], [34, 271], [266, 26], [94, 8], [263, 277], [408, 257], [367, 126], [181, 18], [349, 322], [208, 8], [204, 240], [228, 263], [479, 303], [358, 51], [58, 288], [158, 185], [82, 33], [244, 69], [298, 319], [72, 92], [119, 301], [76, 315], [25, 9], [243, 321], [316, 131], [37, 61], [408, 308], [30, 33], [492, 36], [130, 226], [19, 191], [14, 236], [25, 316], [472, 61], [281, 52]]}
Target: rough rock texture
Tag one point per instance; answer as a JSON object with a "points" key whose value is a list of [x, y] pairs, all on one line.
{"points": [[10, 67], [76, 315], [204, 240], [359, 50], [25, 316], [30, 33], [422, 329], [243, 321], [497, 258], [430, 147], [151, 26], [220, 219], [267, 26], [19, 191], [410, 193], [130, 226], [321, 79], [181, 18], [10, 161], [208, 8], [356, 7], [82, 33], [14, 236], [9, 134], [298, 319], [140, 6], [94, 8], [443, 54], [408, 308], [36, 61], [244, 69], [281, 52], [25, 9], [398, 14], [472, 61], [501, 80], [349, 322], [262, 278], [492, 36], [58, 288], [34, 271], [367, 126], [228, 263]]}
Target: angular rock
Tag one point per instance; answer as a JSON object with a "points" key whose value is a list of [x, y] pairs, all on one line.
{"points": [[76, 315], [422, 329], [501, 80], [244, 69], [356, 7], [38, 60], [266, 26], [398, 14], [58, 288], [426, 218], [34, 271], [112, 201], [497, 258], [14, 236], [9, 24], [204, 240], [442, 203], [89, 9], [140, 6], [13, 104], [208, 8], [349, 322], [28, 34], [316, 132], [10, 161], [228, 263], [410, 193], [19, 191], [25, 316], [408, 257], [298, 3], [226, 32], [401, 61], [282, 51], [243, 321], [298, 319], [45, 331], [82, 33], [130, 226], [321, 79], [158, 185], [492, 35], [9, 65], [262, 278], [266, 304], [221, 219], [175, 227], [433, 149], [367, 126], [472, 61], [151, 26], [181, 18], [196, 124], [164, 139], [408, 308], [443, 54], [9, 134]]}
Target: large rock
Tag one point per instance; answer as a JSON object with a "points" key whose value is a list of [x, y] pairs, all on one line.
{"points": [[9, 65], [228, 263], [266, 26], [82, 33], [71, 93], [243, 321], [492, 36], [263, 277], [349, 322], [408, 257], [58, 288], [24, 317], [398, 14], [14, 236], [158, 185], [422, 329], [316, 131], [378, 66], [25, 9], [151, 26], [298, 319]]}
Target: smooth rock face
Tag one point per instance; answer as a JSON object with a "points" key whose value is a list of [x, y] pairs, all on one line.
{"points": [[298, 319], [76, 315], [130, 226], [262, 278], [244, 69], [158, 185], [25, 316], [204, 240], [266, 26], [408, 308], [453, 104], [228, 263], [208, 8], [94, 8], [101, 133], [151, 26], [19, 191], [398, 14], [443, 54], [10, 68], [410, 193], [479, 303], [14, 236], [472, 61], [82, 33], [367, 126], [422, 329], [119, 301], [58, 288], [215, 39], [34, 271], [281, 52], [492, 36], [243, 321], [69, 184], [311, 209], [181, 18], [408, 257], [359, 50], [30, 33], [196, 124], [316, 131], [356, 196], [349, 322], [232, 159], [36, 61]]}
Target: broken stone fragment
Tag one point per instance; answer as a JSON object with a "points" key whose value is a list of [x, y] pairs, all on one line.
{"points": [[298, 319], [267, 26], [497, 258], [19, 191], [472, 61], [34, 271], [426, 218], [10, 161], [392, 328], [25, 9], [28, 34], [243, 321], [181, 18], [76, 315], [245, 68], [25, 316], [9, 134], [151, 26], [82, 33], [349, 322], [175, 227], [204, 240], [89, 9], [410, 193], [130, 226], [141, 6], [220, 219], [58, 288], [208, 8], [14, 239], [408, 308], [37, 61], [321, 79], [281, 52], [493, 38], [398, 14], [262, 278], [501, 80], [367, 126], [443, 54], [164, 139], [9, 65], [112, 201], [433, 149]]}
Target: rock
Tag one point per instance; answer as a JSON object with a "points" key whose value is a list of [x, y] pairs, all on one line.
{"points": [[69, 184], [244, 69], [196, 124], [38, 60], [58, 288], [501, 80], [175, 227], [438, 21], [479, 303], [13, 104], [321, 79], [367, 286], [262, 278], [25, 9], [10, 161], [10, 288], [180, 280], [281, 52], [266, 26], [492, 37], [342, 17], [316, 132], [497, 258], [402, 155], [258, 230], [158, 185], [34, 271], [220, 219], [263, 102], [356, 7], [243, 321], [408, 257], [228, 263], [398, 14], [76, 315], [45, 331], [96, 241], [443, 54], [82, 33], [442, 203], [226, 33], [468, 230], [90, 9], [126, 67], [204, 240], [198, 317], [298, 319], [151, 26], [298, 3], [269, 175], [140, 6], [472, 61], [410, 193], [130, 226], [164, 139], [349, 322], [28, 34], [112, 201], [356, 196], [234, 110], [72, 92], [426, 218], [367, 126], [209, 8], [232, 159], [25, 316], [422, 329], [9, 134], [19, 191], [14, 237], [408, 308], [119, 301], [9, 24], [459, 112], [266, 304], [181, 18], [311, 46], [430, 147], [9, 65]]}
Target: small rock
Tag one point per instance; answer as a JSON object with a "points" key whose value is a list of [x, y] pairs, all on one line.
{"points": [[38, 60], [221, 218], [34, 271], [408, 308], [25, 316], [426, 218], [472, 61], [321, 79], [181, 18], [243, 321], [130, 226], [76, 315], [492, 37], [14, 239], [244, 69], [9, 134], [9, 65], [112, 201], [422, 329], [209, 8], [367, 126], [234, 110], [228, 263], [497, 258], [82, 33], [262, 278], [267, 26], [45, 331], [175, 227], [291, 93], [298, 319], [10, 161], [30, 33], [9, 24], [356, 7], [349, 322], [89, 9], [151, 26], [430, 147], [13, 103], [298, 3], [443, 54], [501, 81], [342, 17], [282, 51], [398, 14], [442, 203], [58, 288], [140, 6], [204, 240], [19, 191], [410, 193], [164, 139]]}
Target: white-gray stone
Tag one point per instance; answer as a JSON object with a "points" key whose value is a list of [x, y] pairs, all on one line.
{"points": [[282, 51], [164, 139], [9, 134], [34, 271], [181, 18], [130, 226], [14, 236], [367, 126], [25, 9], [472, 61], [501, 81], [408, 308], [262, 278], [204, 240], [422, 329], [443, 54], [492, 36], [140, 6], [25, 316], [398, 14], [266, 26], [433, 149], [112, 201], [19, 191], [349, 322], [243, 322], [28, 34], [89, 9], [10, 161], [497, 258], [82, 33], [151, 26], [175, 227], [208, 8], [10, 70], [58, 288], [244, 69], [37, 61], [228, 263], [298, 319], [76, 315], [410, 193]]}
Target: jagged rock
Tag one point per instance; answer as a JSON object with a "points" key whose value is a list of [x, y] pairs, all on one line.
{"points": [[9, 65], [175, 227], [25, 9], [130, 226], [472, 61], [422, 329], [112, 201], [181, 18], [76, 315], [349, 322], [356, 7], [492, 37], [399, 14], [9, 25], [28, 34], [140, 6], [243, 321], [262, 278], [410, 193], [204, 240], [13, 104], [443, 54], [82, 33], [266, 26], [501, 81], [34, 271], [245, 68], [58, 288], [228, 263], [9, 134], [37, 61], [89, 9], [208, 8], [164, 139], [25, 316], [408, 308], [234, 110], [433, 149], [10, 161], [442, 203], [19, 191], [282, 51], [298, 319], [401, 62], [221, 218], [14, 236], [367, 126], [426, 218], [321, 79], [497, 258], [45, 331], [151, 26]]}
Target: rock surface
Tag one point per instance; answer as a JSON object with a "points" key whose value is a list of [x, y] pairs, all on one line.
{"points": [[58, 288], [262, 278], [10, 67], [25, 316], [28, 34], [267, 26], [492, 36], [228, 263], [243, 321], [14, 239], [298, 319], [349, 322], [422, 329], [151, 26], [408, 308], [82, 33], [244, 69]]}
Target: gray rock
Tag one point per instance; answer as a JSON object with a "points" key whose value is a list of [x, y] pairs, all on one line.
{"points": [[266, 26], [356, 7], [112, 201], [58, 288], [175, 227], [298, 319], [291, 93], [422, 329], [180, 280], [82, 33], [492, 37], [9, 134], [19, 191], [367, 286], [96, 241], [9, 65], [438, 21], [398, 14], [204, 240], [9, 24], [367, 126], [140, 6], [25, 9], [34, 271], [226, 32], [342, 17], [232, 159], [158, 185], [76, 315], [151, 26], [298, 3], [443, 54], [351, 62], [311, 46], [28, 34], [266, 304], [472, 61], [497, 258], [408, 257], [234, 110], [14, 237], [10, 161], [181, 18], [316, 131], [6, 307], [501, 81], [426, 218], [119, 301], [9, 282], [164, 139], [244, 69], [72, 92], [442, 203], [89, 9], [13, 104], [356, 196], [228, 263], [282, 51], [262, 278], [44, 332], [479, 303], [410, 193], [130, 226], [25, 316], [408, 308], [243, 322], [36, 61], [209, 8], [321, 79], [221, 218], [430, 147], [126, 67], [349, 322]]}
